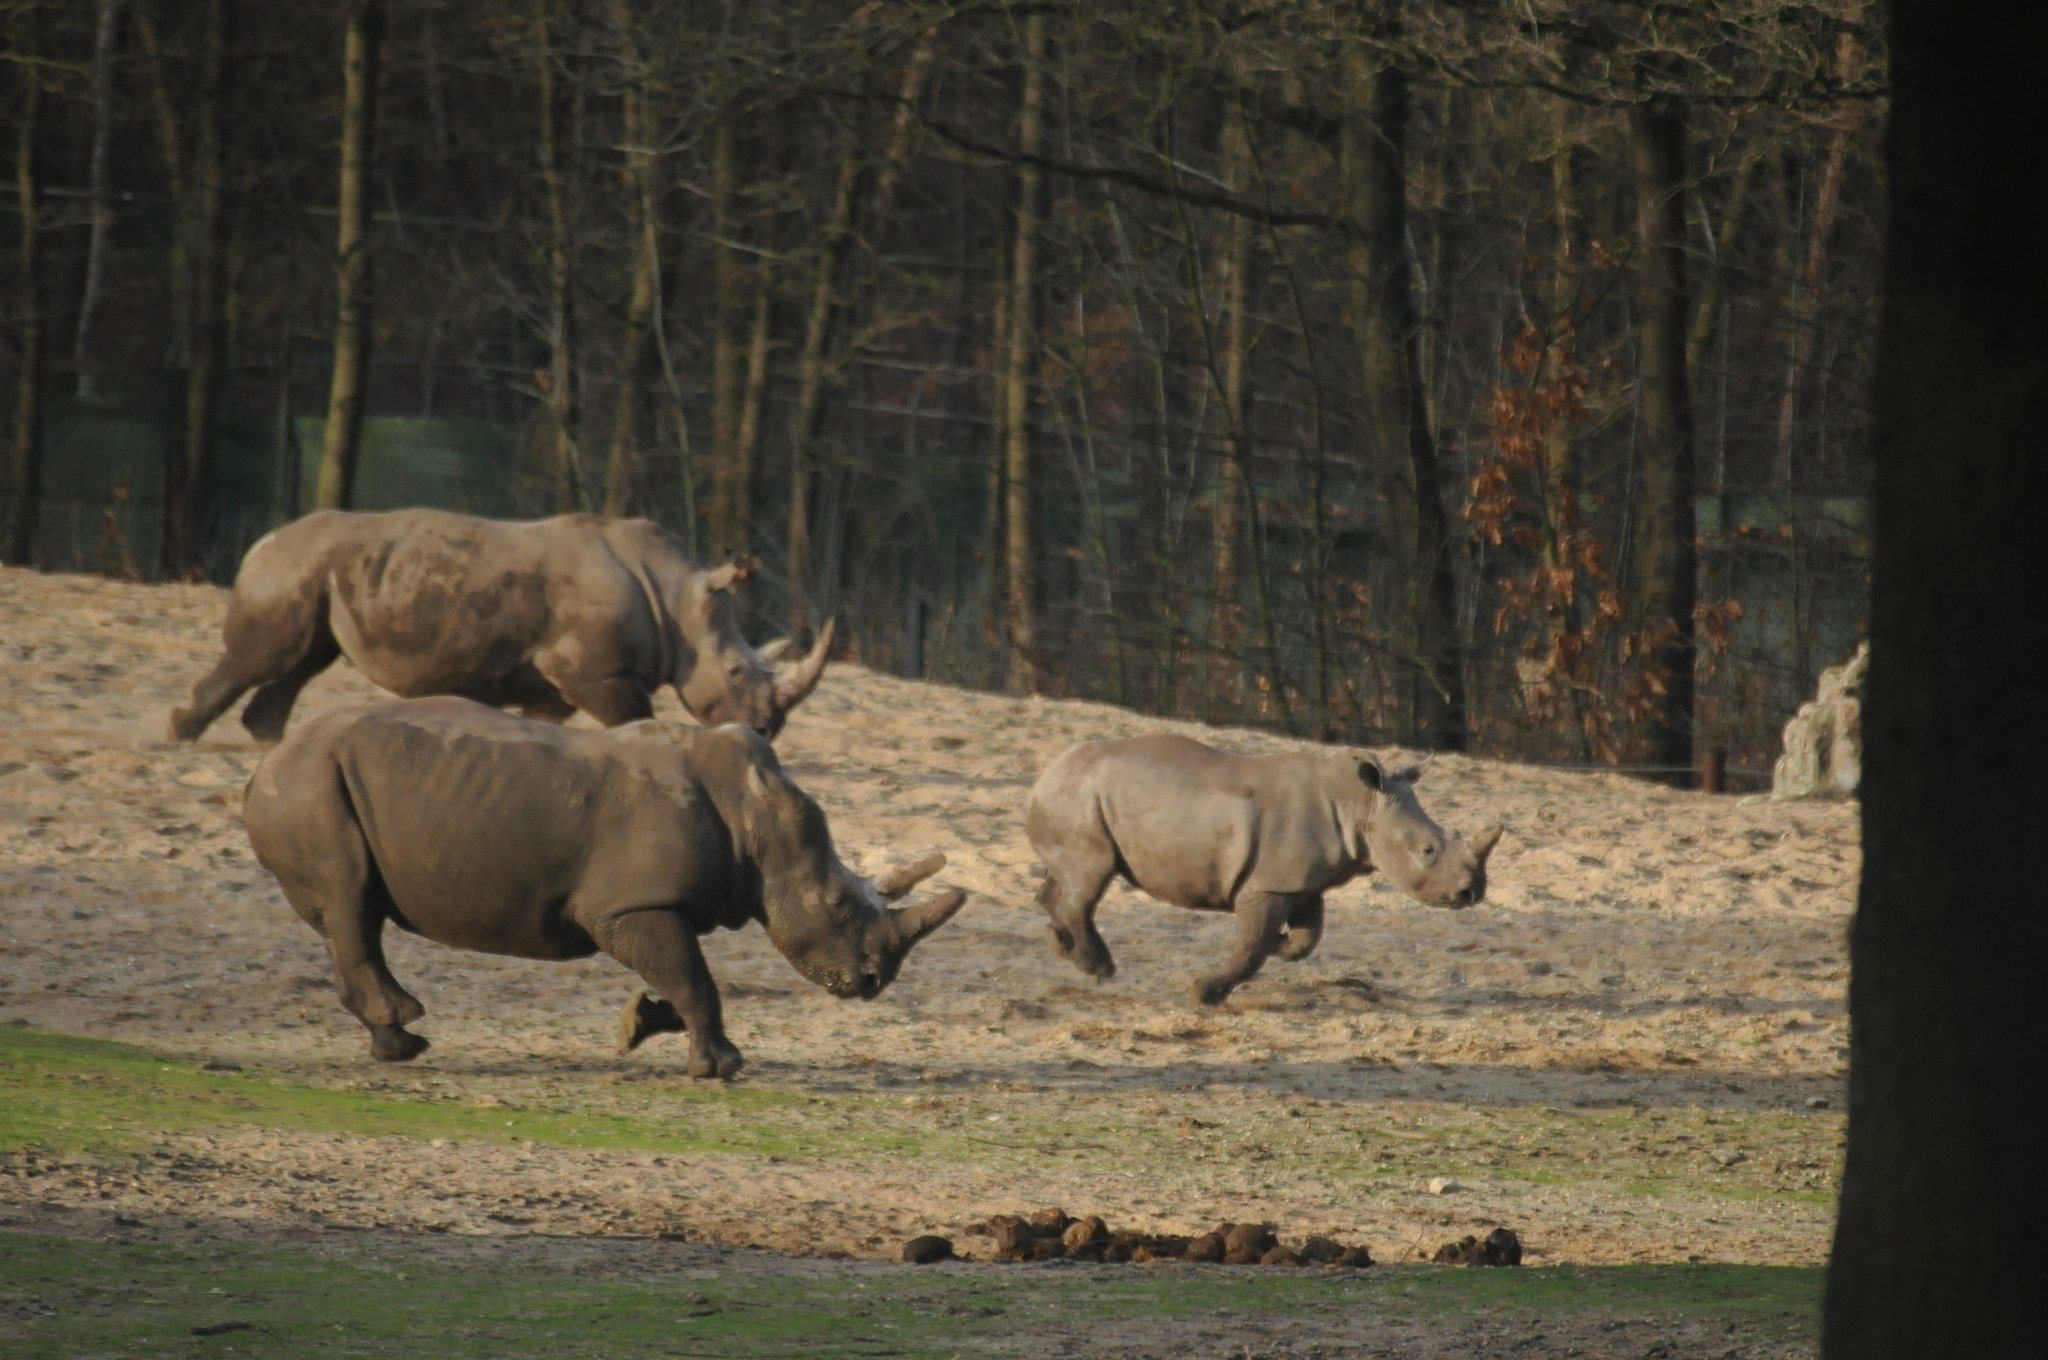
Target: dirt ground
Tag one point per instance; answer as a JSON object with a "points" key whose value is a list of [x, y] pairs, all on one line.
{"points": [[1670, 957]]}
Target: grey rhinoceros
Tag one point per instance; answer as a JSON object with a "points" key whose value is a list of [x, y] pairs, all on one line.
{"points": [[1263, 836], [549, 615], [486, 831]]}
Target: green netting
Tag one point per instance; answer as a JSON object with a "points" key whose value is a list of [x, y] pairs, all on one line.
{"points": [[103, 479]]}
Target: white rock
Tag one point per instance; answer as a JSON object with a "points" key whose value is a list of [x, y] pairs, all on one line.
{"points": [[1727, 1157], [1824, 741], [1443, 1185]]}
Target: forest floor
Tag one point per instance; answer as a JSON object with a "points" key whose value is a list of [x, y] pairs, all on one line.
{"points": [[1632, 1053]]}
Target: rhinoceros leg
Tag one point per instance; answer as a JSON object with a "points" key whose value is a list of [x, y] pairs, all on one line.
{"points": [[1074, 883], [1261, 921], [1304, 928], [661, 948], [613, 701], [272, 703], [279, 645]]}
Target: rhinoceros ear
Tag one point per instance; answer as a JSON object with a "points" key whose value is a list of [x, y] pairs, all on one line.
{"points": [[903, 878], [920, 919], [1371, 773], [1488, 838]]}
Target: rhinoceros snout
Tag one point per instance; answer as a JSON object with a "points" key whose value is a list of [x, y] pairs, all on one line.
{"points": [[870, 986]]}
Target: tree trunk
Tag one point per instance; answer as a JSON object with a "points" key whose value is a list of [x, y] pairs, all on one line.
{"points": [[1233, 485], [1665, 556], [1806, 295], [810, 393], [1424, 637], [1018, 546], [563, 412], [342, 440], [106, 27], [729, 510], [747, 438], [190, 548], [1941, 1200], [25, 459], [636, 347]]}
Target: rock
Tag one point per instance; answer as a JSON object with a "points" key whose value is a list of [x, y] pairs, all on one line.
{"points": [[1443, 1185], [922, 1251], [1817, 1102], [1084, 1230], [1093, 1251], [1727, 1157], [1281, 1256], [1501, 1248], [1824, 740], [1355, 1258], [1207, 1247], [1246, 1243]]}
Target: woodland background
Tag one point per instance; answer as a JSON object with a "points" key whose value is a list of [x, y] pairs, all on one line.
{"points": [[1476, 375]]}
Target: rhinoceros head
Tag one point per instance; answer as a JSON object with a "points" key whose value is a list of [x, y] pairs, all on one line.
{"points": [[722, 678], [1435, 867], [834, 926]]}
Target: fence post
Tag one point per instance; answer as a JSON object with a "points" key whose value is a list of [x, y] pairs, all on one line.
{"points": [[1714, 772]]}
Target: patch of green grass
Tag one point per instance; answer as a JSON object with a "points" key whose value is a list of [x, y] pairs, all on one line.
{"points": [[64, 1094], [62, 1297]]}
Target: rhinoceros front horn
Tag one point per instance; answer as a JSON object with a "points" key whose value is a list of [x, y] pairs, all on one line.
{"points": [[903, 878], [794, 682], [920, 919]]}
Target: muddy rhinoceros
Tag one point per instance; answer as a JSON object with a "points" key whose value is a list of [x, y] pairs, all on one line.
{"points": [[549, 615], [1263, 836], [486, 831]]}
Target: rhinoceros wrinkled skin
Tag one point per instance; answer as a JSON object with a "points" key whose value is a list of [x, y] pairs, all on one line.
{"points": [[1263, 836], [552, 615], [490, 832]]}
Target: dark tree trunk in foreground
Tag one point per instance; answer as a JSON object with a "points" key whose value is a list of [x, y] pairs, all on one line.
{"points": [[341, 446], [1666, 552], [1941, 1199], [25, 459]]}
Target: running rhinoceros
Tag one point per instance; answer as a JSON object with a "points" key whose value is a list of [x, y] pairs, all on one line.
{"points": [[1262, 836], [550, 615], [486, 831]]}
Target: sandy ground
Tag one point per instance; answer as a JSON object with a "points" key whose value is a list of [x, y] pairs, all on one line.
{"points": [[1673, 954]]}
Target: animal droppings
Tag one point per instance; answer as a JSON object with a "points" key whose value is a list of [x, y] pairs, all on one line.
{"points": [[1501, 1248], [922, 1251], [1091, 1239]]}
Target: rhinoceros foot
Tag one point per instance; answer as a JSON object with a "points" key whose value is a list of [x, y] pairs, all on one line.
{"points": [[1214, 991], [644, 1016], [716, 1058], [394, 1043], [184, 727]]}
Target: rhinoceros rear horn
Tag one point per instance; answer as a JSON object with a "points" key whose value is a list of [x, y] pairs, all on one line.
{"points": [[903, 878], [794, 682], [920, 919], [1488, 838]]}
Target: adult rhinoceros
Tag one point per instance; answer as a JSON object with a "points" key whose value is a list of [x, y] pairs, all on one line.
{"points": [[552, 615], [1263, 836], [484, 831]]}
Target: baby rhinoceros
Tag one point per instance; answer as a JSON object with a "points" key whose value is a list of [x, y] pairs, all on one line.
{"points": [[507, 835], [1263, 836]]}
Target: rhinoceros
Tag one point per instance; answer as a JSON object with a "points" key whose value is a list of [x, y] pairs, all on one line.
{"points": [[486, 831], [551, 616], [1263, 836]]}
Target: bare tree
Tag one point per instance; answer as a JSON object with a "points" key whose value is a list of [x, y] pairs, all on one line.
{"points": [[342, 442]]}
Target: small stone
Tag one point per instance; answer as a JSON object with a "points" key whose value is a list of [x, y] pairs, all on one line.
{"points": [[922, 1251], [1443, 1185], [1818, 1102], [1727, 1157]]}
